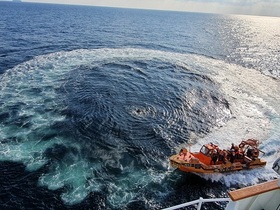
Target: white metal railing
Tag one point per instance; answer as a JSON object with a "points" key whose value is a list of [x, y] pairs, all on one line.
{"points": [[199, 201]]}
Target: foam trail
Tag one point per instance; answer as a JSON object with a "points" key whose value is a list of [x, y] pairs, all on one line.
{"points": [[35, 92], [256, 114], [30, 153]]}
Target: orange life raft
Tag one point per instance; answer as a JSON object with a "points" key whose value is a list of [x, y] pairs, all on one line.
{"points": [[212, 159]]}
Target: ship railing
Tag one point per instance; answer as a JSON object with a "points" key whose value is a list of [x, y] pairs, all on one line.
{"points": [[198, 203]]}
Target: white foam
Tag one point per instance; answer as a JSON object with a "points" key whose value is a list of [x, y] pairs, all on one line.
{"points": [[253, 99], [30, 152], [125, 189], [77, 178]]}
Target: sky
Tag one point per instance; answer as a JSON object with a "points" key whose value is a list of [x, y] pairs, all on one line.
{"points": [[247, 7]]}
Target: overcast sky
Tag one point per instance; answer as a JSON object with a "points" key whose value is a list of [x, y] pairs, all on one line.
{"points": [[249, 7]]}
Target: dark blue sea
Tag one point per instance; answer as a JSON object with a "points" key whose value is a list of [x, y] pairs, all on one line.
{"points": [[94, 100]]}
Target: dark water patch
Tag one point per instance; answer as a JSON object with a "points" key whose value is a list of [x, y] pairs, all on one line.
{"points": [[19, 187], [33, 90], [4, 116], [102, 100], [21, 121], [49, 135], [136, 205], [188, 187], [9, 140], [56, 152], [15, 108]]}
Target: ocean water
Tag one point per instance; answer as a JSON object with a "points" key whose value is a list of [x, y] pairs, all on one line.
{"points": [[94, 100]]}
